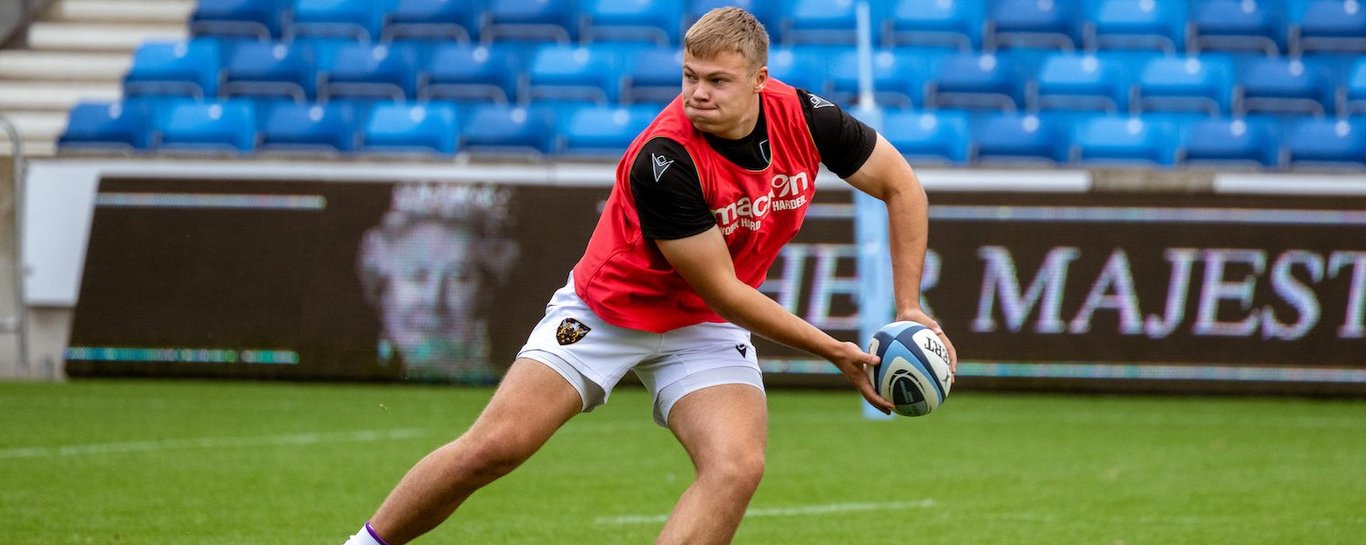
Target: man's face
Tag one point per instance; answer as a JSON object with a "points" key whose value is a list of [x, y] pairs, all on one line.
{"points": [[429, 302], [718, 93]]}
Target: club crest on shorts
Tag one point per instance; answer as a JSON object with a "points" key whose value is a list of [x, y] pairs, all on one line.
{"points": [[570, 331]]}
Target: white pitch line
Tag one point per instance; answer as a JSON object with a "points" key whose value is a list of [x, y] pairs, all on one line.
{"points": [[794, 511], [94, 449]]}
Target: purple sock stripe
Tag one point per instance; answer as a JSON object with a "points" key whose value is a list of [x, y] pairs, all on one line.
{"points": [[374, 534]]}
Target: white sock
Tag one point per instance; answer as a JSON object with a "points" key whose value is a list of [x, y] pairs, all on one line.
{"points": [[366, 536]]}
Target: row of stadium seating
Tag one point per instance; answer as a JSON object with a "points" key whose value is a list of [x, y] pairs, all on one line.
{"points": [[947, 136], [1270, 26], [1222, 84]]}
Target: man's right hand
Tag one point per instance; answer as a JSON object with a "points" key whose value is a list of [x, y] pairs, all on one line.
{"points": [[853, 362]]}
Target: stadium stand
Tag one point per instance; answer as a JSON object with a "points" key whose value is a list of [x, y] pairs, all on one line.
{"points": [[1130, 24], [261, 19], [653, 22], [120, 126], [1018, 138], [1237, 25], [205, 126], [465, 72], [417, 128], [308, 128], [178, 68], [963, 82], [451, 20], [1238, 143], [1033, 24], [1074, 81], [652, 75], [269, 68], [818, 22], [933, 137], [977, 80], [935, 23], [1124, 140], [355, 19]]}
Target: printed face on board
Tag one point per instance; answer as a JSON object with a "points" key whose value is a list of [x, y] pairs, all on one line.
{"points": [[431, 296]]}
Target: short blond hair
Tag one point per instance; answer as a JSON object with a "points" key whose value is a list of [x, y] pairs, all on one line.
{"points": [[728, 30]]}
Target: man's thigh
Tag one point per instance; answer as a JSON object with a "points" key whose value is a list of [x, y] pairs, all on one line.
{"points": [[727, 420]]}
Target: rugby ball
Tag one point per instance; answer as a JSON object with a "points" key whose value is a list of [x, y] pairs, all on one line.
{"points": [[914, 373]]}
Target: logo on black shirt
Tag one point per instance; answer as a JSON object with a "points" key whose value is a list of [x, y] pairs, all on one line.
{"points": [[571, 331], [818, 102], [661, 164]]}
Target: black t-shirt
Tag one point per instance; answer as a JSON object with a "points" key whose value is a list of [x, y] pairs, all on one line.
{"points": [[667, 190]]}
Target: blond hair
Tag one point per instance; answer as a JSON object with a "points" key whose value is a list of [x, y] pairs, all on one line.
{"points": [[728, 30]]}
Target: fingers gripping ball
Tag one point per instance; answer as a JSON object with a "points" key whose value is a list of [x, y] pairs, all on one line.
{"points": [[914, 373]]}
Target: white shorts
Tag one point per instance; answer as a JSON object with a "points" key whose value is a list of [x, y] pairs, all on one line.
{"points": [[593, 355]]}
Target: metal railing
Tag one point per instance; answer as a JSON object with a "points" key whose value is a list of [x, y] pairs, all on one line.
{"points": [[20, 327]]}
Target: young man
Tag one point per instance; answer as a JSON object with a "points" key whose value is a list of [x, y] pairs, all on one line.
{"points": [[704, 199]]}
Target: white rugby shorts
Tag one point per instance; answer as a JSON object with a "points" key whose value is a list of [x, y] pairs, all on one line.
{"points": [[594, 355]]}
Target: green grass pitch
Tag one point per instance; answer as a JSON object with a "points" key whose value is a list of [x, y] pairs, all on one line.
{"points": [[115, 462]]}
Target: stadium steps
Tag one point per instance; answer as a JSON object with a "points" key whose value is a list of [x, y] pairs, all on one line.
{"points": [[77, 50]]}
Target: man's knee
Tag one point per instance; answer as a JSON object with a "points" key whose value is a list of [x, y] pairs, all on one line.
{"points": [[740, 470], [486, 458]]}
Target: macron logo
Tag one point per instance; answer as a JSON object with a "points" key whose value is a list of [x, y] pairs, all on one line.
{"points": [[661, 164], [818, 102]]}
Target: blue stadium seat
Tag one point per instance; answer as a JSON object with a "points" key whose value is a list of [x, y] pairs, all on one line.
{"points": [[120, 126], [1326, 143], [352, 19], [1237, 25], [602, 131], [540, 20], [212, 126], [370, 70], [456, 71], [429, 127], [1124, 140], [175, 68], [456, 20], [650, 21], [1181, 83], [589, 73], [308, 127], [973, 80], [260, 19], [514, 130], [1135, 24], [828, 22], [1327, 25], [899, 75], [269, 68], [806, 67], [653, 75], [1033, 24], [955, 23], [934, 137], [1352, 97], [1251, 142], [1282, 85], [1074, 81], [1011, 137]]}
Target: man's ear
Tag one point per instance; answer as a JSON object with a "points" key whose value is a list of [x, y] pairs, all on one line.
{"points": [[760, 79]]}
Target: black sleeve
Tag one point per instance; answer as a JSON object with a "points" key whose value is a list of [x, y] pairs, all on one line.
{"points": [[668, 192], [844, 142]]}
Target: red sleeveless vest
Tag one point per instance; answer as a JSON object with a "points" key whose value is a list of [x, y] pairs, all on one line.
{"points": [[624, 278]]}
